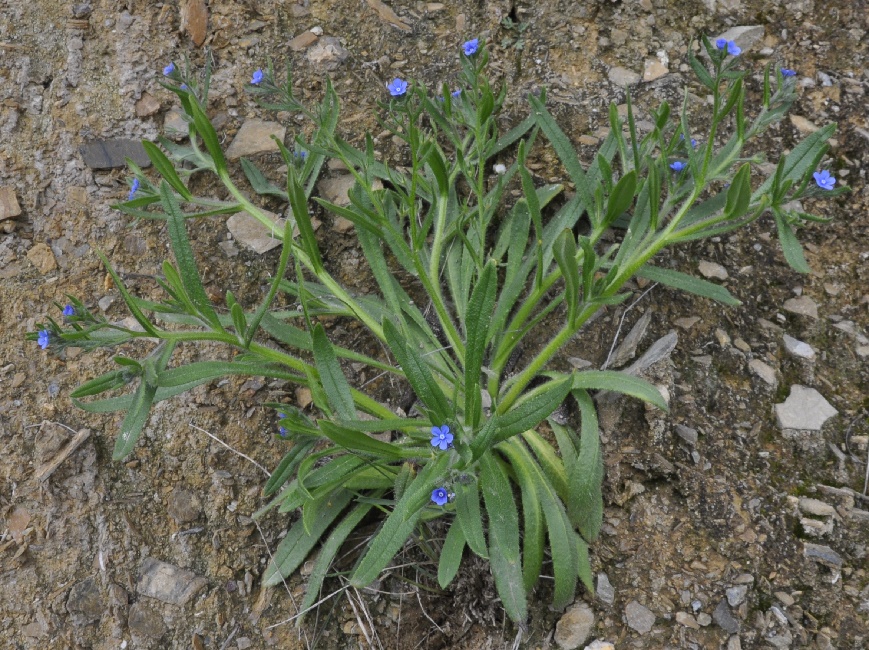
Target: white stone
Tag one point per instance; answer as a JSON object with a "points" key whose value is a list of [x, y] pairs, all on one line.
{"points": [[763, 371], [798, 348], [623, 77], [816, 507], [712, 270], [804, 306], [639, 617], [804, 409]]}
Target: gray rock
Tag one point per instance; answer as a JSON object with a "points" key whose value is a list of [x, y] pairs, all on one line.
{"points": [[733, 643], [109, 154], [574, 626], [712, 270], [659, 350], [797, 348], [168, 583], [85, 603], [724, 619], [627, 349], [704, 619], [736, 595], [184, 506], [745, 36], [175, 124], [144, 621], [816, 507], [805, 409], [764, 371], [600, 645], [250, 232], [623, 77], [605, 589], [688, 620], [687, 434], [327, 54], [639, 617], [803, 306], [823, 554], [254, 137]]}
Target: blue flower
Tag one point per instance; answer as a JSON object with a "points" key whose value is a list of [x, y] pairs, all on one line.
{"points": [[733, 49], [183, 86], [133, 189], [282, 430], [786, 72], [471, 47], [257, 77], [301, 155], [677, 166], [45, 337], [397, 87], [441, 437], [68, 311], [721, 43], [440, 496], [456, 93], [693, 141], [824, 180], [169, 69]]}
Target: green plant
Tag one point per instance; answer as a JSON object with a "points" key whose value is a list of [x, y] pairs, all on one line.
{"points": [[493, 276]]}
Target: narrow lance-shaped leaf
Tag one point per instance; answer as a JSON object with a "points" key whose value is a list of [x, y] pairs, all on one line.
{"points": [[564, 252], [739, 193], [689, 283], [476, 327], [470, 518], [503, 538], [585, 506], [791, 246], [334, 382], [451, 555]]}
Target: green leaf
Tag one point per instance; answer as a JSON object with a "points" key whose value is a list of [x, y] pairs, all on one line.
{"points": [[739, 193], [503, 538], [135, 420], [128, 299], [259, 183], [538, 406], [470, 518], [299, 205], [333, 379], [476, 327], [790, 245], [585, 505], [689, 283], [417, 372], [399, 524], [564, 251], [451, 555], [583, 564], [287, 466], [621, 198], [701, 71], [802, 158], [296, 546], [166, 169], [177, 227], [357, 441], [330, 549], [103, 383], [619, 382], [209, 136]]}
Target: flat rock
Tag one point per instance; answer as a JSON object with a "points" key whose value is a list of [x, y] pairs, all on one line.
{"points": [[712, 270], [605, 590], [597, 644], [194, 20], [816, 507], [804, 306], [302, 41], [327, 54], [110, 154], [254, 137], [688, 620], [144, 621], [253, 234], [804, 409], [639, 617], [803, 125], [85, 604], [42, 258], [745, 36], [764, 371], [174, 124], [574, 626], [8, 203], [654, 69], [823, 554], [147, 105], [798, 348], [623, 77], [724, 619], [736, 595], [337, 189], [168, 583], [687, 434]]}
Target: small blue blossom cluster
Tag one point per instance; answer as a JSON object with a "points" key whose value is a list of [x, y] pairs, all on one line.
{"points": [[134, 187], [787, 72], [470, 47], [442, 439], [397, 87], [440, 496], [732, 48], [257, 77], [68, 311], [44, 339], [169, 69], [824, 180], [282, 431], [677, 166]]}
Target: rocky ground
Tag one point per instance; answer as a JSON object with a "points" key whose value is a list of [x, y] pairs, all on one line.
{"points": [[737, 520]]}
